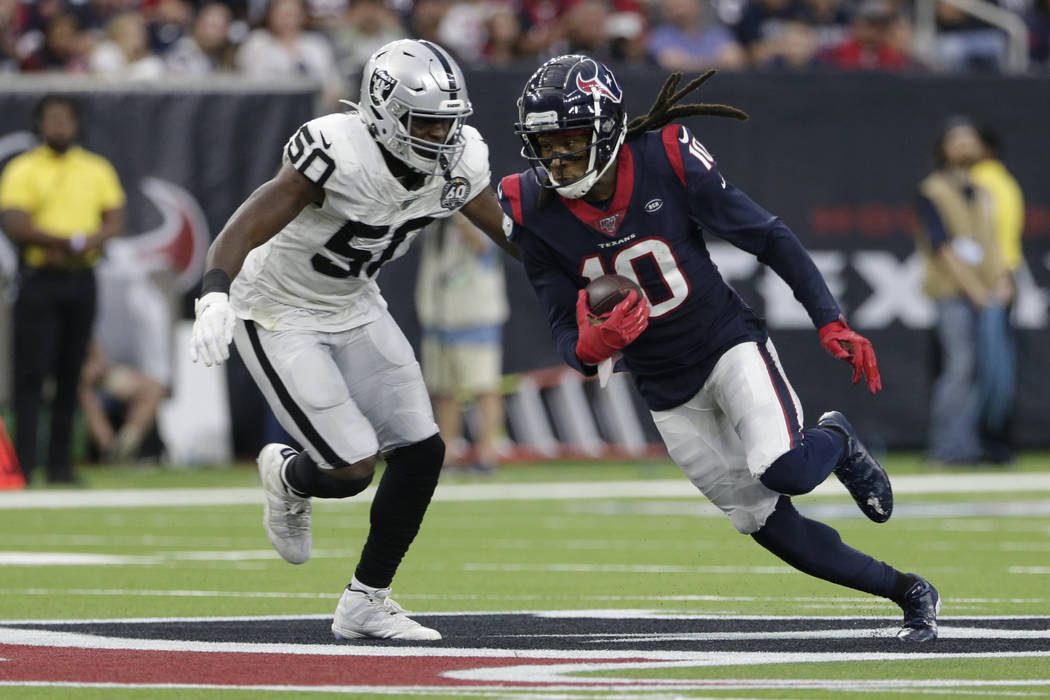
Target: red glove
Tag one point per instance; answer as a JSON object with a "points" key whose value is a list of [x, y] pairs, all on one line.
{"points": [[841, 342], [614, 331]]}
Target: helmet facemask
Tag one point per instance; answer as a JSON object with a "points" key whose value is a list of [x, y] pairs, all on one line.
{"points": [[428, 157], [572, 93], [600, 152], [408, 80]]}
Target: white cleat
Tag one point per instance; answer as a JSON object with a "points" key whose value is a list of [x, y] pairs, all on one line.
{"points": [[376, 616], [286, 517]]}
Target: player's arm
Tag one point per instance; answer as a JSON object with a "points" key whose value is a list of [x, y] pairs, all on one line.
{"points": [[267, 210], [722, 209], [557, 294], [261, 217], [484, 212], [733, 216]]}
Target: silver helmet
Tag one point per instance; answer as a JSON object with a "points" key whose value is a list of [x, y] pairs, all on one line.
{"points": [[412, 78]]}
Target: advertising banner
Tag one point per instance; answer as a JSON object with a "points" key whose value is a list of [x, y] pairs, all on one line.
{"points": [[836, 156]]}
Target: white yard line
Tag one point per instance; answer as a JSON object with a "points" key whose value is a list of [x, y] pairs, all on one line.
{"points": [[20, 558], [993, 482], [62, 639], [839, 601]]}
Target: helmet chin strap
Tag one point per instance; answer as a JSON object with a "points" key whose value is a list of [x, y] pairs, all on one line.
{"points": [[580, 187]]}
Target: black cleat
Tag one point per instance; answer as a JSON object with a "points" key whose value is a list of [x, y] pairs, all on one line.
{"points": [[861, 473], [921, 605]]}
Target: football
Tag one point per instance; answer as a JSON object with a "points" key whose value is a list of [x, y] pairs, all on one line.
{"points": [[605, 292]]}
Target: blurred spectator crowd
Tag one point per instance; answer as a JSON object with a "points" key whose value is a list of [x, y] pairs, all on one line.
{"points": [[329, 40]]}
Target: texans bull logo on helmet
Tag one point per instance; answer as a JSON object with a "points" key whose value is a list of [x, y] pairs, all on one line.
{"points": [[606, 84]]}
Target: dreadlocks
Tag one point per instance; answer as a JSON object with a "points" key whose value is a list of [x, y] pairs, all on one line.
{"points": [[664, 110]]}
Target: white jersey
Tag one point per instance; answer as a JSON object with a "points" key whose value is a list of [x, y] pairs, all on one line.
{"points": [[319, 272]]}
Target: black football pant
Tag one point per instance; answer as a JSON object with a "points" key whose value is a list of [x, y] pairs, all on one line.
{"points": [[53, 317]]}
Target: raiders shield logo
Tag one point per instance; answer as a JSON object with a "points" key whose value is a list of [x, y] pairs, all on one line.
{"points": [[455, 193], [380, 86]]}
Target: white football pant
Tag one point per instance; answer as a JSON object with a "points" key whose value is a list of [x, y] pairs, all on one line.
{"points": [[344, 396], [724, 438]]}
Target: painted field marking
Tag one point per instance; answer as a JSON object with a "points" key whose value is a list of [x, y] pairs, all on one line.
{"points": [[15, 636], [993, 482], [535, 671], [586, 613], [189, 593], [665, 569], [30, 559], [944, 631], [575, 692], [90, 559]]}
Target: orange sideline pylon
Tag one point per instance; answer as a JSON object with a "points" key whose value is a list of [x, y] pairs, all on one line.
{"points": [[11, 478]]}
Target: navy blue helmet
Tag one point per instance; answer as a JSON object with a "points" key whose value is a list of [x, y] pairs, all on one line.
{"points": [[570, 93]]}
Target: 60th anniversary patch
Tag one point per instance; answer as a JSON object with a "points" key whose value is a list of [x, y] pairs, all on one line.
{"points": [[539, 651]]}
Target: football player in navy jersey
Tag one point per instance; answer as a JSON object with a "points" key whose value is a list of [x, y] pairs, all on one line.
{"points": [[607, 196]]}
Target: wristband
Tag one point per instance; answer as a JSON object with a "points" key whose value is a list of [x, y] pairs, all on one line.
{"points": [[215, 280], [77, 243]]}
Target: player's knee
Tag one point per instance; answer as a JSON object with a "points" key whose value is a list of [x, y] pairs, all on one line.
{"points": [[787, 533], [351, 480], [782, 475], [425, 457], [782, 521], [357, 471], [748, 521]]}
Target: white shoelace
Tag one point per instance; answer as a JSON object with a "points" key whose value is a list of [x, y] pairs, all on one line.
{"points": [[392, 607], [297, 509]]}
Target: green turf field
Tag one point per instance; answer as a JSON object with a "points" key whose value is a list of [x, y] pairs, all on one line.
{"points": [[988, 552]]}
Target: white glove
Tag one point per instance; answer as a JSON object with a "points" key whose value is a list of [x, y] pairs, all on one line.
{"points": [[213, 329]]}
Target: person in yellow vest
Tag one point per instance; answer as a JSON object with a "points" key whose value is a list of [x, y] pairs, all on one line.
{"points": [[461, 302], [964, 277], [998, 375], [58, 203]]}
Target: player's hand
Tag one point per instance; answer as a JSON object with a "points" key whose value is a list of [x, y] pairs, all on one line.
{"points": [[601, 336], [213, 329], [845, 344]]}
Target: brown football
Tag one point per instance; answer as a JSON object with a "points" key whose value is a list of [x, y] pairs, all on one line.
{"points": [[605, 292]]}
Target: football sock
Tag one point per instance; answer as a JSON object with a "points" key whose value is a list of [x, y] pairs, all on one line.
{"points": [[304, 479], [805, 466], [901, 586], [816, 549], [398, 508], [358, 586]]}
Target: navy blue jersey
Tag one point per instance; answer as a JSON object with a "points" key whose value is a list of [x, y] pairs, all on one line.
{"points": [[668, 193]]}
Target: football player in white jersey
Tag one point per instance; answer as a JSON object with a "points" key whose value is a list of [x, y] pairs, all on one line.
{"points": [[303, 252]]}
